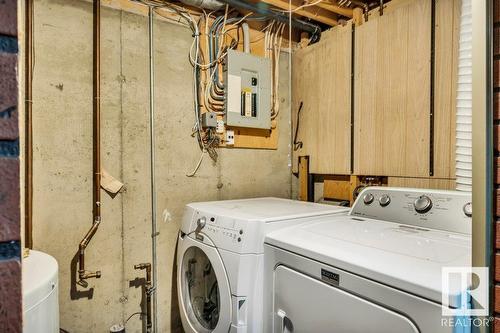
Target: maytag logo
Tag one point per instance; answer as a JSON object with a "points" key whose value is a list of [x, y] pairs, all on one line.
{"points": [[330, 277]]}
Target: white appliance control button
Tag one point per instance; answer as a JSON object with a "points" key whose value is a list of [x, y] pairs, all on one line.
{"points": [[368, 198], [384, 200], [422, 204], [468, 209]]}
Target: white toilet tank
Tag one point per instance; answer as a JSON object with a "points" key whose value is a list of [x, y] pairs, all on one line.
{"points": [[40, 293]]}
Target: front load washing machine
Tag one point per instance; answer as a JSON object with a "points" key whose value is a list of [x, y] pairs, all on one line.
{"points": [[220, 259]]}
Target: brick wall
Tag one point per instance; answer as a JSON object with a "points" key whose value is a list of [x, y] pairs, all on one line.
{"points": [[10, 265]]}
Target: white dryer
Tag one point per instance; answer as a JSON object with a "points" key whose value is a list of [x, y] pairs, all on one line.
{"points": [[220, 259], [377, 269]]}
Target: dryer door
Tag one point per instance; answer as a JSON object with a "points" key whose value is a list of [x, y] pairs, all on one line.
{"points": [[204, 293], [304, 304]]}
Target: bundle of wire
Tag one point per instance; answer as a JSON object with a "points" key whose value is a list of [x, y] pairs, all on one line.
{"points": [[208, 89]]}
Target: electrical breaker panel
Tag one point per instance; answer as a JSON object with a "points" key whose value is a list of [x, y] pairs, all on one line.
{"points": [[247, 83]]}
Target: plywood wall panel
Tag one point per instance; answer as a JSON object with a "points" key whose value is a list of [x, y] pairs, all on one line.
{"points": [[392, 87], [431, 183], [322, 76], [417, 99], [392, 79], [392, 59], [446, 66], [343, 105], [300, 75], [365, 98]]}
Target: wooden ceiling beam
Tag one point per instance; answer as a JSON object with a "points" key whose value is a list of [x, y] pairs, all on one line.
{"points": [[313, 12], [336, 9]]}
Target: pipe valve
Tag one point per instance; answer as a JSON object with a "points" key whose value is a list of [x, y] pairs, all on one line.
{"points": [[148, 290], [143, 266]]}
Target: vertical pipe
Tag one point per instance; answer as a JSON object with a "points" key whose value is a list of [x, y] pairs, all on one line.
{"points": [[97, 111], [28, 144], [96, 143], [154, 232]]}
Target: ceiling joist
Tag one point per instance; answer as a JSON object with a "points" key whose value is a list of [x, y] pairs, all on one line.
{"points": [[335, 9], [322, 15]]}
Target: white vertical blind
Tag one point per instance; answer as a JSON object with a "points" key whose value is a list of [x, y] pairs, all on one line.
{"points": [[464, 102]]}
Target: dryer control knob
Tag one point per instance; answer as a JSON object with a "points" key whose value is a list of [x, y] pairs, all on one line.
{"points": [[468, 209], [423, 204], [368, 198], [384, 200]]}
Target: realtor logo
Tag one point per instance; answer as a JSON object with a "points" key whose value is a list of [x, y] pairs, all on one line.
{"points": [[464, 288]]}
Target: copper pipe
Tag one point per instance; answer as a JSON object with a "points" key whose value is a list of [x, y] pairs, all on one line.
{"points": [[28, 128], [97, 110], [96, 207], [148, 290], [81, 250]]}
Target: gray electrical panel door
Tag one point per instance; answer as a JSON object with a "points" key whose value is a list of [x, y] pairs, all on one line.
{"points": [[247, 90]]}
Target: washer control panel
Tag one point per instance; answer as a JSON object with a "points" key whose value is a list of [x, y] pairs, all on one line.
{"points": [[216, 229], [435, 209]]}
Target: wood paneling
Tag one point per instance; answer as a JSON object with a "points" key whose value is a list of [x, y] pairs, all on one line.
{"points": [[445, 90], [431, 183], [392, 91], [322, 76], [337, 187], [392, 99], [303, 178]]}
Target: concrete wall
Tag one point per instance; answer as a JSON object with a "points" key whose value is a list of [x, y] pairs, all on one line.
{"points": [[63, 158]]}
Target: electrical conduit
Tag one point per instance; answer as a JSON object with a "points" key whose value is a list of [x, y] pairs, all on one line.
{"points": [[154, 232]]}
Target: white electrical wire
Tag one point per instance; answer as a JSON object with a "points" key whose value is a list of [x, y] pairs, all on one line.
{"points": [[207, 86], [273, 43], [290, 10], [192, 173]]}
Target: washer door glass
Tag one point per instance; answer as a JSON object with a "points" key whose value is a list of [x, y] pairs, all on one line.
{"points": [[200, 290]]}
